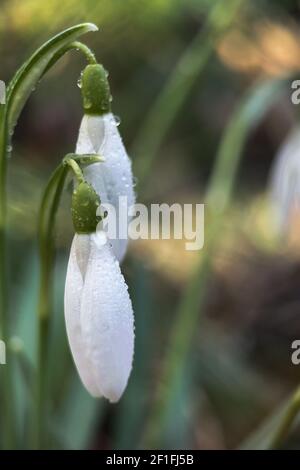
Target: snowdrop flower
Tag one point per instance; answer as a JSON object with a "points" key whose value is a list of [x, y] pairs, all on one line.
{"points": [[285, 180], [98, 310], [99, 134]]}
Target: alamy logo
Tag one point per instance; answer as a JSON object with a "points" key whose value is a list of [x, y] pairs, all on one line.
{"points": [[2, 92], [295, 96], [159, 221], [2, 353], [295, 357]]}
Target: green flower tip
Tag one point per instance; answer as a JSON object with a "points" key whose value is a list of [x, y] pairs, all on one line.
{"points": [[85, 202], [95, 90]]}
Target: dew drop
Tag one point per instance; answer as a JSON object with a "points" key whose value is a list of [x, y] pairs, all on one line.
{"points": [[117, 120]]}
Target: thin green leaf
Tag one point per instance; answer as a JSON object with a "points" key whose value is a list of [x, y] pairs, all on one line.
{"points": [[179, 85], [275, 429], [27, 77], [248, 113]]}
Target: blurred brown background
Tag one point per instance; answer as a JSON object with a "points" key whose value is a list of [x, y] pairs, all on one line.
{"points": [[240, 363]]}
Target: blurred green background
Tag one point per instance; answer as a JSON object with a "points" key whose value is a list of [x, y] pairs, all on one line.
{"points": [[238, 369]]}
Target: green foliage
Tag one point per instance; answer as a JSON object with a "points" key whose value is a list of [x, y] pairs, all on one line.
{"points": [[192, 375]]}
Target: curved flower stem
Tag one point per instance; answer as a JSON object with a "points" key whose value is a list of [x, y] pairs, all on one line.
{"points": [[249, 111], [71, 163], [78, 46], [48, 209], [89, 54]]}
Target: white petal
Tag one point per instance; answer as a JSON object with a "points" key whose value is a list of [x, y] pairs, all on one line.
{"points": [[73, 291], [113, 178], [107, 320], [285, 179], [91, 135]]}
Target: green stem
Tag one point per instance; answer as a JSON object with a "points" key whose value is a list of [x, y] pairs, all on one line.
{"points": [[3, 164], [218, 197], [48, 209], [77, 45], [9, 431], [84, 159], [287, 421], [187, 71], [75, 168], [90, 56], [46, 249], [18, 91], [3, 145]]}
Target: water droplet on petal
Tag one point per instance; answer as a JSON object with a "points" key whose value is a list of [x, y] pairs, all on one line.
{"points": [[117, 120]]}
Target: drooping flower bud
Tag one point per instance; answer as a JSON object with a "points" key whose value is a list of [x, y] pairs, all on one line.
{"points": [[95, 90], [85, 203], [112, 179], [99, 317]]}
